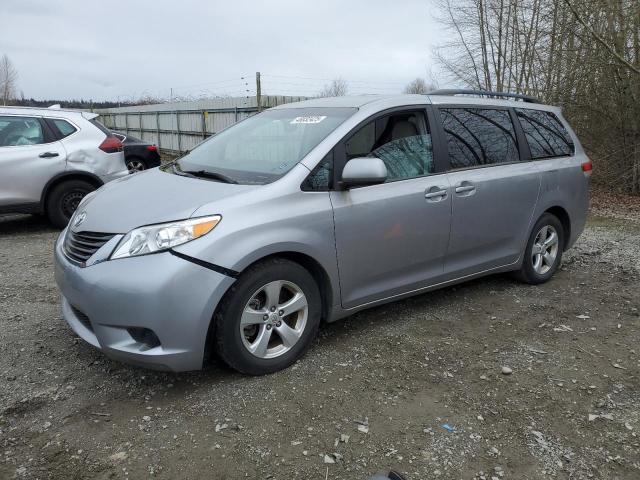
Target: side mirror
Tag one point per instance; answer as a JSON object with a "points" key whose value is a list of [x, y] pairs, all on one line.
{"points": [[364, 171]]}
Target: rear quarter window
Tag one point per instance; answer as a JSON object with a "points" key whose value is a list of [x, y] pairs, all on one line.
{"points": [[64, 128], [546, 135]]}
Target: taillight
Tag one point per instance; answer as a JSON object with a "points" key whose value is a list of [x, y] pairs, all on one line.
{"points": [[111, 145], [587, 166], [152, 148]]}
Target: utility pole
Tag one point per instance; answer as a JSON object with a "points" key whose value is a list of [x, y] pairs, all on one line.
{"points": [[258, 92]]}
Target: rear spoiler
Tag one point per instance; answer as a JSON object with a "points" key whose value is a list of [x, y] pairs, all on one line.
{"points": [[89, 115]]}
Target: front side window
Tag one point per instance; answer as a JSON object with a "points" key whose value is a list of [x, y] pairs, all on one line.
{"points": [[264, 147], [479, 136], [401, 140], [16, 131], [321, 178], [545, 134]]}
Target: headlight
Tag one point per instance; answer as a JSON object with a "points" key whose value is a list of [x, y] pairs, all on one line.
{"points": [[156, 238]]}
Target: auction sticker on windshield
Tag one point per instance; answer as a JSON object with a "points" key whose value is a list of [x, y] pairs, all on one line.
{"points": [[313, 119]]}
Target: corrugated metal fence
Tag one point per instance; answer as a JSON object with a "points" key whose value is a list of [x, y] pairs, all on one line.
{"points": [[180, 126]]}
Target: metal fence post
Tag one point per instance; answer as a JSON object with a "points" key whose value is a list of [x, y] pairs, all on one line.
{"points": [[178, 131], [126, 122], [204, 124], [140, 123], [236, 112], [158, 128]]}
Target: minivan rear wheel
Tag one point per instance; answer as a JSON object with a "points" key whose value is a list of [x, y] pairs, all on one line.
{"points": [[64, 199], [269, 317], [543, 253]]}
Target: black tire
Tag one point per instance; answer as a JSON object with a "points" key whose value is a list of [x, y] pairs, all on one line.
{"points": [[527, 272], [64, 199], [228, 338], [135, 164]]}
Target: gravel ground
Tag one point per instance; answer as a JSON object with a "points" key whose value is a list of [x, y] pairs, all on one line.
{"points": [[375, 392]]}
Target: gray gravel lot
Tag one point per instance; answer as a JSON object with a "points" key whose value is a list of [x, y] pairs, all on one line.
{"points": [[373, 393]]}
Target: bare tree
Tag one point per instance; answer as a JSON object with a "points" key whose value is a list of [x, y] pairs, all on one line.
{"points": [[583, 55], [418, 85], [8, 79], [337, 88]]}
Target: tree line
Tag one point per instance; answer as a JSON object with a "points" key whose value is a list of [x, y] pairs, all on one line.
{"points": [[583, 55]]}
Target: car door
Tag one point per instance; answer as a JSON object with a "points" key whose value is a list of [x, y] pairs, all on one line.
{"points": [[391, 238], [29, 158], [493, 191]]}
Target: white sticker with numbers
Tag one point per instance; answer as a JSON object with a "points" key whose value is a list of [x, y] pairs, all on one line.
{"points": [[314, 119]]}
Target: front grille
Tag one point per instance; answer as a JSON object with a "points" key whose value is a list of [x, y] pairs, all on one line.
{"points": [[82, 317], [79, 246]]}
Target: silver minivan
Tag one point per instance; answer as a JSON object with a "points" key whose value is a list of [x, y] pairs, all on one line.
{"points": [[309, 212], [51, 158]]}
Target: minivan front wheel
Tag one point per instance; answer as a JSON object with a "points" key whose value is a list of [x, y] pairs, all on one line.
{"points": [[269, 317], [543, 253], [63, 200]]}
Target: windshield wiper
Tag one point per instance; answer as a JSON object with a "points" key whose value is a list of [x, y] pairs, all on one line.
{"points": [[207, 174]]}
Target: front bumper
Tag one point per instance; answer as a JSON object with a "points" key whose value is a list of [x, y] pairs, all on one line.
{"points": [[170, 296]]}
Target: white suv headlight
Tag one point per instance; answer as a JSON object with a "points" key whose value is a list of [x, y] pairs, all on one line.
{"points": [[156, 238]]}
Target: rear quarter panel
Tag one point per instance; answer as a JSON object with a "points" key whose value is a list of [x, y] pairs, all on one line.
{"points": [[83, 153], [564, 184]]}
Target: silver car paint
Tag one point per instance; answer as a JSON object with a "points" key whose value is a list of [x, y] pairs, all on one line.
{"points": [[490, 222], [411, 235], [183, 194], [404, 252], [25, 175]]}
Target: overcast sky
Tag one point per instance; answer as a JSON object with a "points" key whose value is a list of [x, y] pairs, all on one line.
{"points": [[67, 49]]}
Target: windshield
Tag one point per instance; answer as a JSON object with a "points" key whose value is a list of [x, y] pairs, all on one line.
{"points": [[266, 146]]}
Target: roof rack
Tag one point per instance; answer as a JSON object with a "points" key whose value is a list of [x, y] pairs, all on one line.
{"points": [[485, 93]]}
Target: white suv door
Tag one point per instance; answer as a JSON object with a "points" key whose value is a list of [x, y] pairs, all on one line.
{"points": [[29, 158]]}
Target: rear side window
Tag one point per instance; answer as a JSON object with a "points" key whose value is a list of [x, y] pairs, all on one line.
{"points": [[401, 140], [479, 136], [17, 131], [545, 134], [64, 127]]}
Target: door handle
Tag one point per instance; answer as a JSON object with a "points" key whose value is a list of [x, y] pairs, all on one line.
{"points": [[465, 187], [439, 193], [49, 154], [435, 194]]}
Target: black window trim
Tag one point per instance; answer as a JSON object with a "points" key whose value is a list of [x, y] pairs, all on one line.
{"points": [[523, 147], [304, 185]]}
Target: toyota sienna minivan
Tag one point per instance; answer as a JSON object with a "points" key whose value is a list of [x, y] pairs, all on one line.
{"points": [[311, 211]]}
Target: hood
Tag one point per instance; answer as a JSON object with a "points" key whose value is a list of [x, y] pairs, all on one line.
{"points": [[149, 197]]}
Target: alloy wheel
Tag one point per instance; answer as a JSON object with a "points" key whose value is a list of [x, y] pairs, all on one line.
{"points": [[274, 319], [135, 166], [545, 249]]}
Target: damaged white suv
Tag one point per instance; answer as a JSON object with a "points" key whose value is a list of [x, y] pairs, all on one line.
{"points": [[51, 158]]}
